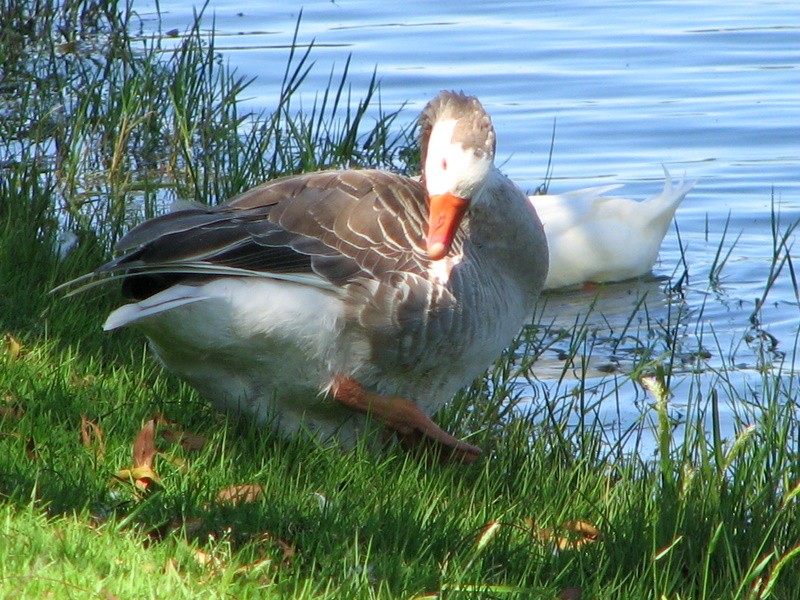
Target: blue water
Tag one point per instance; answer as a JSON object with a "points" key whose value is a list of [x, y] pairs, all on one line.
{"points": [[708, 89]]}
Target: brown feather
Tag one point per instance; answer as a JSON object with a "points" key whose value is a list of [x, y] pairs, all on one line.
{"points": [[336, 224]]}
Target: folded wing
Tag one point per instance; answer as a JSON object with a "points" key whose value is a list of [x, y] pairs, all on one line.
{"points": [[325, 229]]}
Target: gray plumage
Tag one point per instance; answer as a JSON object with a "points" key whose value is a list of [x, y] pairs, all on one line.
{"points": [[262, 302]]}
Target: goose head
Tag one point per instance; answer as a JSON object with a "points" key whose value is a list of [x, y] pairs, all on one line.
{"points": [[457, 142]]}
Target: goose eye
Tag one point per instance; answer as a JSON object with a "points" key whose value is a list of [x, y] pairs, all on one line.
{"points": [[444, 164]]}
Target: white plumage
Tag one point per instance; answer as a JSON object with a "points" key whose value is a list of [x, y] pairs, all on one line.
{"points": [[595, 238]]}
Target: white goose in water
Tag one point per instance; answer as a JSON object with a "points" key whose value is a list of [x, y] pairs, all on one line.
{"points": [[594, 238], [312, 299]]}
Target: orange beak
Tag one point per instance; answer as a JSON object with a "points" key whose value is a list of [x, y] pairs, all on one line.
{"points": [[444, 217]]}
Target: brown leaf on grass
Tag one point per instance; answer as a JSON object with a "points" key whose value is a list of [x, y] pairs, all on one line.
{"points": [[30, 449], [92, 436], [80, 381], [191, 442], [144, 446], [193, 527], [486, 535], [144, 455], [205, 559], [10, 407], [586, 530], [171, 567], [288, 551], [570, 534], [571, 593], [262, 569], [142, 477], [11, 412], [266, 568], [13, 347], [239, 494]]}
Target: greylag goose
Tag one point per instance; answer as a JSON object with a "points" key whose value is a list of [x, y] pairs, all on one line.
{"points": [[595, 238], [312, 300]]}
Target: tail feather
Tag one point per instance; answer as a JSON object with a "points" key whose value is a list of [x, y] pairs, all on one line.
{"points": [[179, 295], [665, 203]]}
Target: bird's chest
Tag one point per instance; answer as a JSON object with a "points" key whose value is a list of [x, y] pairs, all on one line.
{"points": [[456, 337]]}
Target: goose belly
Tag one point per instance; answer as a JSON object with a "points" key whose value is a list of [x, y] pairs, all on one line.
{"points": [[265, 348]]}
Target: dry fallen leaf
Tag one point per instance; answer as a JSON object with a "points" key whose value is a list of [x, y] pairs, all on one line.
{"points": [[238, 494], [171, 567], [191, 442], [288, 551], [30, 449], [203, 558], [144, 455], [142, 477], [586, 530], [80, 381], [11, 412], [192, 527], [92, 436], [571, 593], [262, 569], [10, 406], [13, 346], [486, 535], [144, 446], [570, 534]]}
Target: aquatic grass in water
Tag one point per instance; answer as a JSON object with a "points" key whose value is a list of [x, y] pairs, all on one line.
{"points": [[572, 497]]}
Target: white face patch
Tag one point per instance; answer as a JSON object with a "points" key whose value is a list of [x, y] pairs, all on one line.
{"points": [[437, 175], [449, 167]]}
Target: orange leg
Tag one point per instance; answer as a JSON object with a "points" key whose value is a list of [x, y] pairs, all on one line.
{"points": [[403, 416]]}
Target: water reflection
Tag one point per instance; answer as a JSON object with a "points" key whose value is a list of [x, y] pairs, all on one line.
{"points": [[614, 328], [593, 346]]}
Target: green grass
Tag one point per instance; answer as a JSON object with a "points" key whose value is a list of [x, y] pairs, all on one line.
{"points": [[703, 517]]}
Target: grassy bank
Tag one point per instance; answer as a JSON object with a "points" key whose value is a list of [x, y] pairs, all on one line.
{"points": [[117, 481]]}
